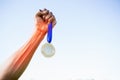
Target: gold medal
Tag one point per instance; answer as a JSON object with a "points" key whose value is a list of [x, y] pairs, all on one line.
{"points": [[48, 50]]}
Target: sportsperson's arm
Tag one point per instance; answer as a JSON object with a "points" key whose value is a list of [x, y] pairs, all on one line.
{"points": [[18, 62]]}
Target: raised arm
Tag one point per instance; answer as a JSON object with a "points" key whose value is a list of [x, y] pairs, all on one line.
{"points": [[18, 62]]}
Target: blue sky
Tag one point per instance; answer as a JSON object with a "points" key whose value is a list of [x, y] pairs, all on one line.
{"points": [[86, 38]]}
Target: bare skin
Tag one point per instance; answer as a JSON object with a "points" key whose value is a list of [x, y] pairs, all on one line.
{"points": [[19, 61]]}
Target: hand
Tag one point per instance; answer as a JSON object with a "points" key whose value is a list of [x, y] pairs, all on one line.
{"points": [[43, 18]]}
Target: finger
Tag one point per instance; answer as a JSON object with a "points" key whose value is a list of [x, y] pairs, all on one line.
{"points": [[48, 16], [54, 23], [43, 17], [45, 12], [39, 14], [42, 12], [51, 19]]}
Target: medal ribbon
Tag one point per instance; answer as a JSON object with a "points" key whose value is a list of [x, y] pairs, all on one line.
{"points": [[49, 35]]}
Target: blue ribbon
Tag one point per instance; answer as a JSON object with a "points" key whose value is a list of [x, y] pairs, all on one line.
{"points": [[49, 35]]}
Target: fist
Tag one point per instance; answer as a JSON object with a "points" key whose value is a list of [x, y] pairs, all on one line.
{"points": [[43, 18]]}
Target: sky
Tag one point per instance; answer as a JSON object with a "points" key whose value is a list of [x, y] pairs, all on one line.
{"points": [[86, 38]]}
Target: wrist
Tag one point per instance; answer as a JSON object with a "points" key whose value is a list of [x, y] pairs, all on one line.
{"points": [[40, 28], [40, 32]]}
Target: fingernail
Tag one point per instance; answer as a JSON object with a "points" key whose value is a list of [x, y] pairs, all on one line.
{"points": [[40, 10], [51, 13], [45, 9]]}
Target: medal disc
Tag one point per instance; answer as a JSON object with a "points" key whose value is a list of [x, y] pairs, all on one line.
{"points": [[48, 50]]}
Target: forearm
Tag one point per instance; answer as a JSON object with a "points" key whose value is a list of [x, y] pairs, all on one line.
{"points": [[19, 61]]}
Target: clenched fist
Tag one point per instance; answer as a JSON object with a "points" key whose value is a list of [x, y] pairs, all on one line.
{"points": [[43, 18]]}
